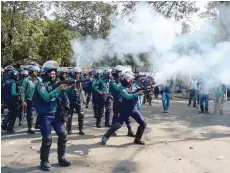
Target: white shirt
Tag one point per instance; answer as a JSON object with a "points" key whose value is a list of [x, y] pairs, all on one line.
{"points": [[204, 89], [193, 85]]}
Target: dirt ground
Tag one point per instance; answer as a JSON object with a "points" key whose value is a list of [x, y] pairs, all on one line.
{"points": [[181, 141]]}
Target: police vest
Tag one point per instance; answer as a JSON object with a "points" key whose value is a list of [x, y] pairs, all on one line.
{"points": [[43, 106], [7, 91], [75, 95], [117, 98], [129, 104]]}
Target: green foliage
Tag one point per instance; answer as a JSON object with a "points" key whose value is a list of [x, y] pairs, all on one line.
{"points": [[170, 9], [26, 37]]}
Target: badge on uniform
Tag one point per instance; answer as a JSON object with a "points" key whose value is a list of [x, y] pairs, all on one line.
{"points": [[50, 88], [43, 88]]}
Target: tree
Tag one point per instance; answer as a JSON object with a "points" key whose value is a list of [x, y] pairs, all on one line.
{"points": [[14, 27], [170, 9], [87, 18], [56, 42]]}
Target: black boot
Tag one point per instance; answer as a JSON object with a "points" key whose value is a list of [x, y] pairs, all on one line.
{"points": [[69, 125], [10, 127], [80, 123], [98, 123], [107, 118], [62, 159], [139, 134], [130, 132], [110, 132], [31, 130], [4, 125], [44, 153]]}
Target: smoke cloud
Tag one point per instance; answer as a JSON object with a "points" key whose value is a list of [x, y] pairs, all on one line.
{"points": [[203, 53]]}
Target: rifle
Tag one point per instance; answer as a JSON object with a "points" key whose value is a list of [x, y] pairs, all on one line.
{"points": [[145, 88], [139, 76], [72, 82]]}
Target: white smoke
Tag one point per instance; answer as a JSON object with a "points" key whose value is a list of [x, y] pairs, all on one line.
{"points": [[204, 53]]}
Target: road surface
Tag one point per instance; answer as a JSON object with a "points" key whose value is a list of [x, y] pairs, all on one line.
{"points": [[182, 141]]}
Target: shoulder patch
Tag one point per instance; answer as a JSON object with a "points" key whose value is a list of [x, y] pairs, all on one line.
{"points": [[43, 88]]}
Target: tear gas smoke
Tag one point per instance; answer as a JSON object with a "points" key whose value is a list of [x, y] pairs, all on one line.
{"points": [[204, 53]]}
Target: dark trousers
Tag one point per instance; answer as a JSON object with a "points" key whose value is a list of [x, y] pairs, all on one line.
{"points": [[135, 114], [117, 109], [48, 120], [13, 112], [192, 96]]}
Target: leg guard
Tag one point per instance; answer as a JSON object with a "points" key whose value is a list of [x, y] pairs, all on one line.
{"points": [[108, 110], [44, 152], [130, 132], [81, 122], [139, 134], [69, 125], [110, 132], [62, 160], [98, 122]]}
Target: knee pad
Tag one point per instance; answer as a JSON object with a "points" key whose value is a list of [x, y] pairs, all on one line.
{"points": [[144, 124], [81, 114], [63, 137], [47, 140]]}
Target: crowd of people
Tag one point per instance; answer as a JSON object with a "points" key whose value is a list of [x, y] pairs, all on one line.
{"points": [[200, 92], [55, 94], [52, 95]]}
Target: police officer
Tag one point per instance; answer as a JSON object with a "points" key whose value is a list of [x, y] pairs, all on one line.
{"points": [[27, 95], [89, 87], [99, 90], [63, 75], [47, 108], [148, 96], [76, 98], [23, 75], [117, 99], [130, 109], [11, 98]]}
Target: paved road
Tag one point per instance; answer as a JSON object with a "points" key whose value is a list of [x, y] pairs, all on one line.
{"points": [[181, 141]]}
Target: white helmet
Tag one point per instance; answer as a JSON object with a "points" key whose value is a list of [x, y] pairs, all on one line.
{"points": [[119, 68], [128, 76], [77, 70]]}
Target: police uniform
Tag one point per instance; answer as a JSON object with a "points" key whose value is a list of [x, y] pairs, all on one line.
{"points": [[11, 98], [129, 100], [101, 99], [47, 93], [75, 97], [118, 105], [28, 92]]}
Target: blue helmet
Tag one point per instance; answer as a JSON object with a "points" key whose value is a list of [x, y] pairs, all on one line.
{"points": [[14, 74], [33, 68], [48, 67]]}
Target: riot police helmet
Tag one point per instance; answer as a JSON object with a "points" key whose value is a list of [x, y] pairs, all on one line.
{"points": [[127, 79], [34, 68], [14, 74], [77, 70], [48, 67], [25, 72], [98, 73]]}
